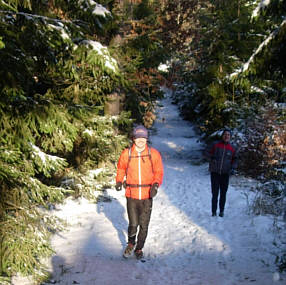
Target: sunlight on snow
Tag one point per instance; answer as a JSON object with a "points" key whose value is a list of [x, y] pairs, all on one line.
{"points": [[177, 168], [183, 226], [171, 145], [113, 227]]}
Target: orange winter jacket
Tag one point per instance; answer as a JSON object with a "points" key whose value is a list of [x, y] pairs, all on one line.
{"points": [[139, 171]]}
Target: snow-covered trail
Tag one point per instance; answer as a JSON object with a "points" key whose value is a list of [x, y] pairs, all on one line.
{"points": [[185, 245]]}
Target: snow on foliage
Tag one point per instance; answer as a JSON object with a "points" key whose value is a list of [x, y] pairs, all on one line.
{"points": [[46, 163], [98, 9], [88, 132], [163, 67], [261, 5], [258, 50], [44, 157], [61, 29], [110, 62]]}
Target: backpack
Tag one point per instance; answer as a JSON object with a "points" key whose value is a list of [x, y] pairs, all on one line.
{"points": [[129, 158]]}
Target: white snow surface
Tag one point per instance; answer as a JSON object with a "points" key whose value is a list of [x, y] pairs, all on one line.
{"points": [[185, 245], [98, 9]]}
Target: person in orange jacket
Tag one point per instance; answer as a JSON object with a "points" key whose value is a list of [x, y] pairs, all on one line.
{"points": [[140, 171]]}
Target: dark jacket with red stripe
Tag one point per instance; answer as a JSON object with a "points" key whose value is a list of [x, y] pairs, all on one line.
{"points": [[222, 158]]}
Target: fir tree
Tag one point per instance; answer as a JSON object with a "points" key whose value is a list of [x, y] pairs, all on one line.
{"points": [[58, 75]]}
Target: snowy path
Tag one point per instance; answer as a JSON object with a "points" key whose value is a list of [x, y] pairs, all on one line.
{"points": [[185, 244]]}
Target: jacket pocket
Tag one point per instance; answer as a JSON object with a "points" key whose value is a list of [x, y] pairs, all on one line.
{"points": [[213, 165]]}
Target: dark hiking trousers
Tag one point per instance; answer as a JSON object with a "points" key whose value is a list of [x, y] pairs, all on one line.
{"points": [[139, 213], [219, 183]]}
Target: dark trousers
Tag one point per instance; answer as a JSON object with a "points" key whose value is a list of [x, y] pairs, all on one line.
{"points": [[219, 183], [139, 214]]}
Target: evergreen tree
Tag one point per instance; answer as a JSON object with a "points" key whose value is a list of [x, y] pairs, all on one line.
{"points": [[142, 52], [55, 80], [64, 75], [234, 62]]}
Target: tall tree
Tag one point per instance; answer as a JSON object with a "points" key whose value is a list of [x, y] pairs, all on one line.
{"points": [[54, 81]]}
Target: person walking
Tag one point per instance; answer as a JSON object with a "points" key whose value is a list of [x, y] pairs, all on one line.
{"points": [[140, 171], [223, 162]]}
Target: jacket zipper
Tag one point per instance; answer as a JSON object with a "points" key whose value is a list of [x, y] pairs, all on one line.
{"points": [[139, 173], [222, 159]]}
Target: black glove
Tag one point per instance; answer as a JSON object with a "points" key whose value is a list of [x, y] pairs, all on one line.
{"points": [[154, 190], [118, 186]]}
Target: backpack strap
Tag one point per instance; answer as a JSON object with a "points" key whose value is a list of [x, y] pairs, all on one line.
{"points": [[150, 157], [129, 158]]}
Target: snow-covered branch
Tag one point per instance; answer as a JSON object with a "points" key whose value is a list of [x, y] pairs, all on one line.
{"points": [[261, 5], [257, 51]]}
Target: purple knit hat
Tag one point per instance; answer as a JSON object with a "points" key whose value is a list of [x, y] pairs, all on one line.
{"points": [[226, 130], [140, 132]]}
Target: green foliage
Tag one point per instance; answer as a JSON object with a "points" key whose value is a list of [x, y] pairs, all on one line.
{"points": [[55, 81], [101, 138], [236, 61], [178, 23], [42, 72], [24, 229], [46, 164], [142, 10], [11, 157], [21, 249], [2, 45], [141, 52], [14, 4]]}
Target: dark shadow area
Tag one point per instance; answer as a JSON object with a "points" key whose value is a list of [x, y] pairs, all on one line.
{"points": [[115, 216], [58, 270]]}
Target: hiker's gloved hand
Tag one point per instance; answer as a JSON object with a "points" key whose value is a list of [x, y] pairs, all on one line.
{"points": [[118, 186], [154, 190]]}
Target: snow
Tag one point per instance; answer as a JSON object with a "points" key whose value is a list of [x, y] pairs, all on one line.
{"points": [[95, 172], [60, 27], [98, 9], [43, 156], [110, 62], [88, 132], [262, 5], [185, 245], [163, 67]]}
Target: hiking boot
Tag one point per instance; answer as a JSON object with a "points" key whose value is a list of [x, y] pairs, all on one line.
{"points": [[128, 250], [213, 214], [138, 253], [221, 214]]}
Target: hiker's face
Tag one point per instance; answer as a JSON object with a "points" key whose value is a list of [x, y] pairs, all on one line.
{"points": [[140, 143], [226, 137]]}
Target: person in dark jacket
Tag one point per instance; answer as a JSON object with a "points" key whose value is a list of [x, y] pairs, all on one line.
{"points": [[223, 161]]}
